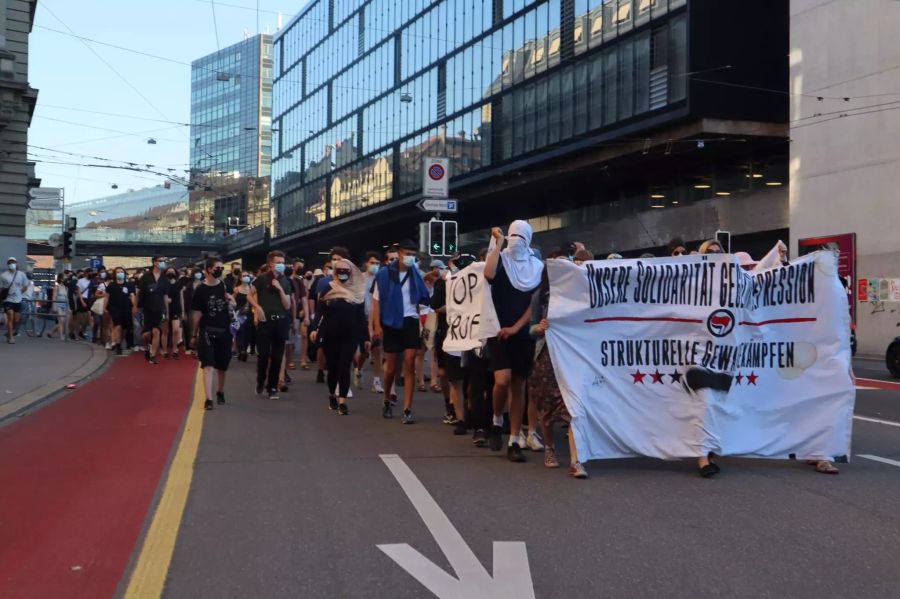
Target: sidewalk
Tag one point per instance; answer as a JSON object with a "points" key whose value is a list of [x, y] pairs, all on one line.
{"points": [[35, 369]]}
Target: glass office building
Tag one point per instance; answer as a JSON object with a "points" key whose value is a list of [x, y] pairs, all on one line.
{"points": [[231, 132], [524, 97]]}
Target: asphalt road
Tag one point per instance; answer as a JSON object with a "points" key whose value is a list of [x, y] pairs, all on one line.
{"points": [[291, 500]]}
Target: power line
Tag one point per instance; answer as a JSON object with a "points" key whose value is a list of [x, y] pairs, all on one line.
{"points": [[115, 114], [271, 12], [212, 4], [124, 133], [104, 61]]}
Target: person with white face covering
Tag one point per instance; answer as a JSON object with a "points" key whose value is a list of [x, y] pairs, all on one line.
{"points": [[514, 274]]}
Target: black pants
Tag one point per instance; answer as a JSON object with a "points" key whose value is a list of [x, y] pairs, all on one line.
{"points": [[244, 334], [339, 354], [270, 338], [478, 381]]}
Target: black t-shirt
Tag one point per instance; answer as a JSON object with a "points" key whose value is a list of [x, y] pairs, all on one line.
{"points": [[268, 298], [210, 301], [438, 301], [119, 297], [509, 302], [231, 281], [153, 292], [175, 298]]}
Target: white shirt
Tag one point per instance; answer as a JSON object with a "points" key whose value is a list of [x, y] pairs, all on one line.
{"points": [[15, 281], [409, 309], [83, 284]]}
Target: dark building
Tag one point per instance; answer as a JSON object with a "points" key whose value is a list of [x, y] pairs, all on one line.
{"points": [[620, 123], [231, 135]]}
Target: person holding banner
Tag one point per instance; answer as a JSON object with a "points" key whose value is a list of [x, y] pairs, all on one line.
{"points": [[399, 290], [514, 273], [543, 388]]}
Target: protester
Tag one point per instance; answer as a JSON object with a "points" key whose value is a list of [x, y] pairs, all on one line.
{"points": [[711, 246], [371, 268], [153, 300], [233, 278], [676, 247], [581, 256], [212, 333], [340, 328], [543, 388], [119, 307], [13, 284], [271, 301], [242, 309], [746, 260], [514, 273], [399, 290], [60, 307], [320, 289], [299, 315]]}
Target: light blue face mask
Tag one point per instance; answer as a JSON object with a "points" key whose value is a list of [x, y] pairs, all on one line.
{"points": [[245, 279], [120, 276], [162, 265], [198, 275], [373, 269], [279, 268], [409, 261]]}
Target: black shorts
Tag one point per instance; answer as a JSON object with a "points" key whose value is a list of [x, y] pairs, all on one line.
{"points": [[452, 367], [515, 354], [152, 320], [214, 348], [120, 318], [14, 306], [396, 341]]}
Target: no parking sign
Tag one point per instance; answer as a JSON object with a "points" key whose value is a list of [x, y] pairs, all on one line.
{"points": [[435, 176]]}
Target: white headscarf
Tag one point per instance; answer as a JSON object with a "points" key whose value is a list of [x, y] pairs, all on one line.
{"points": [[522, 267], [353, 291]]}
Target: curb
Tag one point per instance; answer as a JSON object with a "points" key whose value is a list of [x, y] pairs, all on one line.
{"points": [[34, 399]]}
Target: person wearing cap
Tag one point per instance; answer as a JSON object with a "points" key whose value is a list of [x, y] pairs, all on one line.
{"points": [[514, 273], [438, 267], [399, 290], [13, 284]]}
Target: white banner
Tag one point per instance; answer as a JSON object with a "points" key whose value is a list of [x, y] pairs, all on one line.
{"points": [[470, 310], [677, 357]]}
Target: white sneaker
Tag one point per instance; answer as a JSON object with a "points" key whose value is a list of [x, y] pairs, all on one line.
{"points": [[109, 345], [377, 387], [534, 442], [349, 393]]}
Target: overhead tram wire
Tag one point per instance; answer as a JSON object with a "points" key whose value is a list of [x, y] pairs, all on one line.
{"points": [[212, 5], [104, 61]]}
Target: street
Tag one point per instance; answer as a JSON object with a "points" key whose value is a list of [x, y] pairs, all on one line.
{"points": [[289, 499]]}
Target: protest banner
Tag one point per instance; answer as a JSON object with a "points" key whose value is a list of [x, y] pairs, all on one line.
{"points": [[470, 310], [678, 357]]}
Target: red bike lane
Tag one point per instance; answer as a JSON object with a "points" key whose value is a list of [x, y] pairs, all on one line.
{"points": [[77, 479]]}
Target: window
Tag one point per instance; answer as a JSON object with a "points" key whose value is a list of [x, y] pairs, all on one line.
{"points": [[579, 33], [554, 46], [597, 26], [538, 55]]}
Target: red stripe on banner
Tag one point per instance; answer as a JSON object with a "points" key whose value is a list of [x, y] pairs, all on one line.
{"points": [[78, 476], [876, 384], [641, 319], [776, 321]]}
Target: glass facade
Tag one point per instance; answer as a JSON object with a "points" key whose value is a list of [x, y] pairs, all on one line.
{"points": [[231, 135], [365, 89]]}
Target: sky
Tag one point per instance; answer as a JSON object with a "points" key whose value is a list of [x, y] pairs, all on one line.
{"points": [[149, 97]]}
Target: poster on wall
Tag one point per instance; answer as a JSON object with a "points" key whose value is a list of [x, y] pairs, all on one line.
{"points": [[862, 290], [884, 290], [845, 245], [872, 290], [895, 290]]}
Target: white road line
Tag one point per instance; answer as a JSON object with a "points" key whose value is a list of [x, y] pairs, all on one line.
{"points": [[876, 458], [876, 420], [512, 574]]}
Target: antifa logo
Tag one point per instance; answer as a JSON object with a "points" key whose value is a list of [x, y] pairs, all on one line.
{"points": [[720, 323]]}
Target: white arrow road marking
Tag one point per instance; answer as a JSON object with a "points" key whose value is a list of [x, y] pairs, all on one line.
{"points": [[512, 575]]}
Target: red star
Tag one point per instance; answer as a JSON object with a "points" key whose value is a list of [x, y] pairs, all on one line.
{"points": [[638, 377], [657, 377], [751, 378], [739, 378]]}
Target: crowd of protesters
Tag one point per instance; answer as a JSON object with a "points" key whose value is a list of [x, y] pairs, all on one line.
{"points": [[387, 314]]}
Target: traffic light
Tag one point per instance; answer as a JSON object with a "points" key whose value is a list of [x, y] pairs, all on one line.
{"points": [[436, 238], [68, 244], [449, 237], [442, 238]]}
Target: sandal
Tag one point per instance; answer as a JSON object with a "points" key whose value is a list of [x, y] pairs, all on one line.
{"points": [[421, 388], [304, 366], [435, 389], [826, 467], [576, 470]]}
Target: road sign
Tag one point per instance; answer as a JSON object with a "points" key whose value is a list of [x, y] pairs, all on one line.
{"points": [[438, 205], [435, 177], [96, 262], [512, 574]]}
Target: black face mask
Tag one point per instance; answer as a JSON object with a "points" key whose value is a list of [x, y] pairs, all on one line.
{"points": [[288, 271], [217, 272], [308, 277]]}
